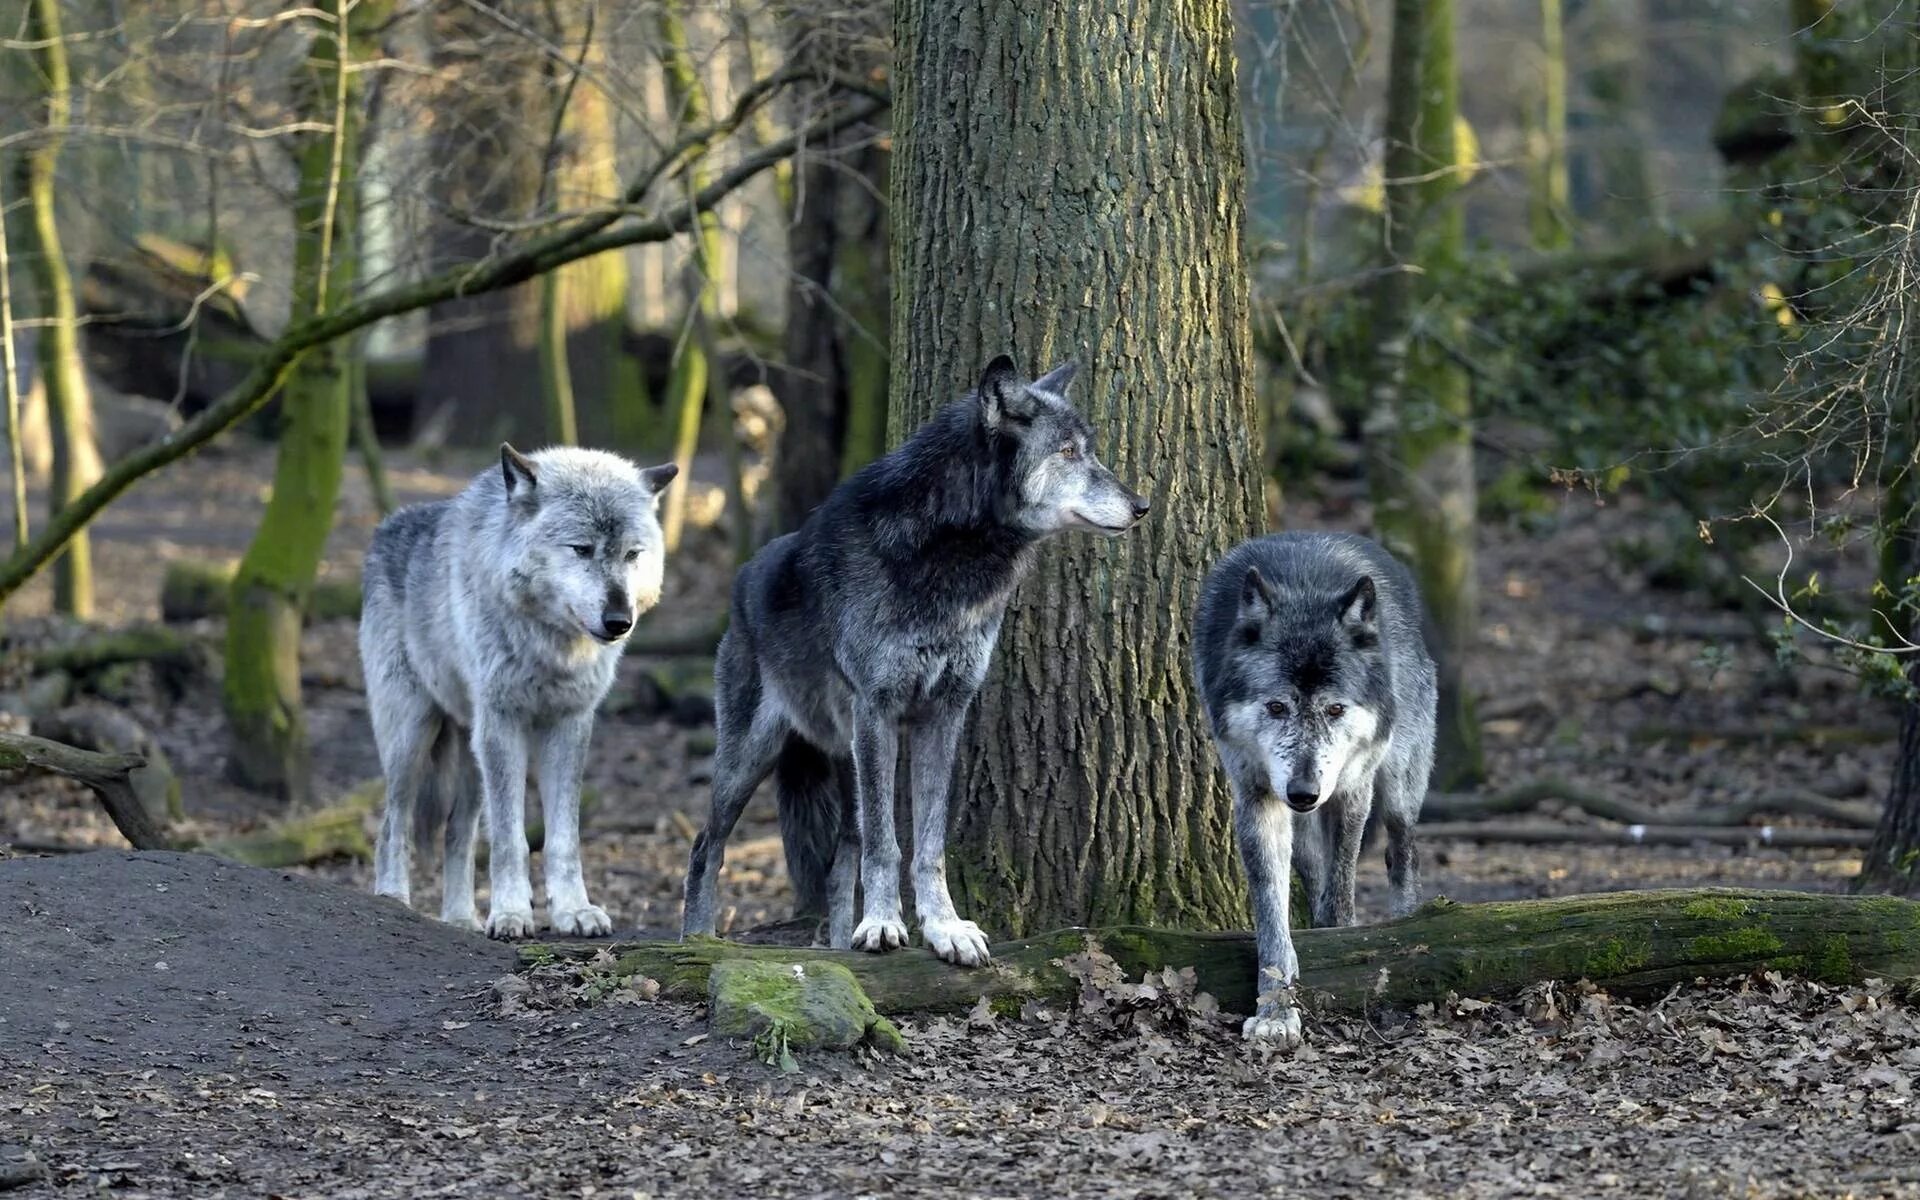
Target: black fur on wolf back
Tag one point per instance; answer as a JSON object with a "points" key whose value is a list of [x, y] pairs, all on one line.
{"points": [[919, 537]]}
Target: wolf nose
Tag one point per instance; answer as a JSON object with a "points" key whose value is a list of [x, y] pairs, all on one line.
{"points": [[1301, 798], [616, 623], [1140, 506]]}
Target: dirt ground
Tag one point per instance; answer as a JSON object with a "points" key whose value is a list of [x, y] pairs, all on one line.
{"points": [[174, 1025]]}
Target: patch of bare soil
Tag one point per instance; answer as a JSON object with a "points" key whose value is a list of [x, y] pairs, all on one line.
{"points": [[178, 1026]]}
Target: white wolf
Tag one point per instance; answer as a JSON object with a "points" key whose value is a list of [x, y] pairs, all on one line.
{"points": [[490, 630]]}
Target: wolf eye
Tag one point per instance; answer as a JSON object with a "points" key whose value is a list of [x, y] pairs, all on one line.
{"points": [[1336, 711], [1276, 709], [1069, 451], [582, 551], [633, 555]]}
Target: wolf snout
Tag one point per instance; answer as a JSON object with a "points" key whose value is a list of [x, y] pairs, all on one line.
{"points": [[1302, 797], [616, 622], [1141, 505]]}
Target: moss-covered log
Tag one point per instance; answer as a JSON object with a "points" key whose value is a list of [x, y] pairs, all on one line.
{"points": [[336, 832], [191, 590], [167, 650], [1631, 943]]}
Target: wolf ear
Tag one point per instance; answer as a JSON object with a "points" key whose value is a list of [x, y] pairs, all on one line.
{"points": [[517, 469], [1359, 607], [1000, 392], [657, 478], [1056, 380], [1258, 602]]}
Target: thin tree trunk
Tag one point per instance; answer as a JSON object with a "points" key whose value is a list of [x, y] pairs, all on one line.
{"points": [[76, 461], [812, 392], [481, 374], [868, 301], [1069, 183], [17, 457], [365, 437], [1420, 433], [687, 387], [1551, 213], [266, 720]]}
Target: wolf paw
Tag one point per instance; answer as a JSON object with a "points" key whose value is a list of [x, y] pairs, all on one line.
{"points": [[589, 921], [956, 941], [879, 936], [468, 920], [510, 923], [1281, 1029]]}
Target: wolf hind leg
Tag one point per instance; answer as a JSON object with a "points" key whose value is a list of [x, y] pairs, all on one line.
{"points": [[843, 882], [1400, 796], [459, 783], [745, 754], [807, 784], [406, 724]]}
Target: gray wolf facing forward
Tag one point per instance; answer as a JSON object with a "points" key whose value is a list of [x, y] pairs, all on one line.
{"points": [[877, 617], [1310, 659], [490, 630]]}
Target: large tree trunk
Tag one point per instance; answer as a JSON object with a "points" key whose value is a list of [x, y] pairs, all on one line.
{"points": [[1421, 431], [1633, 943], [1069, 183], [76, 462], [481, 377], [266, 721]]}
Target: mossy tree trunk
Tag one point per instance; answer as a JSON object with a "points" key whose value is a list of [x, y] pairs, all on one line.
{"points": [[1068, 182], [687, 385], [265, 720], [1550, 213], [1632, 943], [1421, 429], [76, 461]]}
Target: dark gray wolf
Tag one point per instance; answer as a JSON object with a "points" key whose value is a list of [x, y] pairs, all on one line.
{"points": [[1310, 656], [490, 630], [875, 618]]}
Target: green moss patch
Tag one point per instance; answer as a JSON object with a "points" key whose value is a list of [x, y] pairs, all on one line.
{"points": [[794, 1006]]}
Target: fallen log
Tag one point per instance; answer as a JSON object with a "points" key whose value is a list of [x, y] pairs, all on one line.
{"points": [[172, 652], [1787, 837], [1632, 943], [339, 831], [110, 777], [1535, 794], [191, 590]]}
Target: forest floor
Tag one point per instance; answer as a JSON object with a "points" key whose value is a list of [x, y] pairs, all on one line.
{"points": [[172, 1025]]}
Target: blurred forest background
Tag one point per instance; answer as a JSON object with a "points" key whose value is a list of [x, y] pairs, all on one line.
{"points": [[1598, 312]]}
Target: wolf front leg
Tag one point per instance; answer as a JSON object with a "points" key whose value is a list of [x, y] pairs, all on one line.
{"points": [[931, 748], [563, 755], [1265, 832], [876, 756], [500, 747]]}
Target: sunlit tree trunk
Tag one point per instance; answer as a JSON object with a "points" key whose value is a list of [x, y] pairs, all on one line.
{"points": [[265, 717], [1069, 182], [76, 461], [687, 387], [1421, 429], [1550, 212]]}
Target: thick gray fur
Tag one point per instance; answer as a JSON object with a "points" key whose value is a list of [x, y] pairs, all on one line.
{"points": [[1310, 656], [875, 621], [490, 630]]}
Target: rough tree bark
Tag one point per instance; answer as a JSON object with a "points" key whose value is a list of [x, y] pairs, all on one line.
{"points": [[76, 463], [1069, 182], [1421, 431], [266, 723], [1632, 943]]}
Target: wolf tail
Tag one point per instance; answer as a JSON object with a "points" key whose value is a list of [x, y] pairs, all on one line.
{"points": [[813, 794], [434, 804]]}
